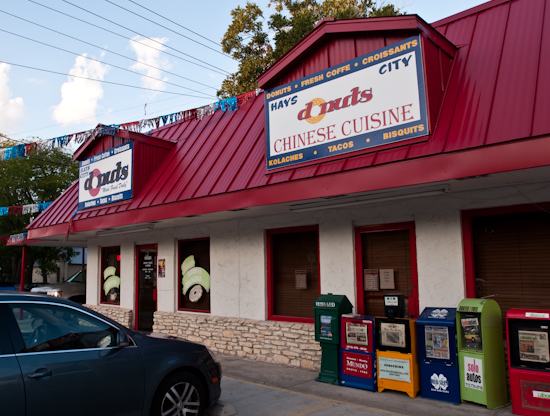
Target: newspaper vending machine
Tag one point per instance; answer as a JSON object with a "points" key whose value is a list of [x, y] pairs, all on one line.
{"points": [[439, 379], [358, 352], [328, 309], [396, 350], [529, 360], [481, 352]]}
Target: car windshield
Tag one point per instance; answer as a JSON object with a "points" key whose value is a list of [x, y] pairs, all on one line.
{"points": [[78, 277]]}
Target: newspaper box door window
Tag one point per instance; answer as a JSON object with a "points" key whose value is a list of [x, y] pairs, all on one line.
{"points": [[325, 327]]}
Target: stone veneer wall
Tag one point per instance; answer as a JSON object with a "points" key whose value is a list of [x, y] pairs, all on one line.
{"points": [[121, 315], [287, 343]]}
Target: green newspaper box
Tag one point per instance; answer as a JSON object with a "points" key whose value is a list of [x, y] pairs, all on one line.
{"points": [[481, 352], [328, 309]]}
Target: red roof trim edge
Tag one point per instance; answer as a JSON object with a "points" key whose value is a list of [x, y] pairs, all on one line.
{"points": [[521, 154]]}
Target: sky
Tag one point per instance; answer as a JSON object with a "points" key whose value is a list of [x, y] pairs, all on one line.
{"points": [[147, 69]]}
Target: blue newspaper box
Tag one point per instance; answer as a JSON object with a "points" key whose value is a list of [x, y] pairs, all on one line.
{"points": [[439, 372]]}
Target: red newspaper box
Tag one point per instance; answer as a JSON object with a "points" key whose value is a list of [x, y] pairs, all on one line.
{"points": [[529, 360]]}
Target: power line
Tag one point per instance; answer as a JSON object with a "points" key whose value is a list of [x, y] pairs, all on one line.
{"points": [[177, 24], [167, 28], [105, 63], [151, 39], [97, 80], [104, 49]]}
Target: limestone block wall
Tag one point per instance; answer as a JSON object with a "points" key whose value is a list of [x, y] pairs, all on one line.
{"points": [[286, 343], [121, 315]]}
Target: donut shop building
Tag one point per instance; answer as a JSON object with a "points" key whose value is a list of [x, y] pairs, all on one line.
{"points": [[382, 155]]}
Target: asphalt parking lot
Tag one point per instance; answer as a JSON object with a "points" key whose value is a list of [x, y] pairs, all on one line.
{"points": [[251, 388]]}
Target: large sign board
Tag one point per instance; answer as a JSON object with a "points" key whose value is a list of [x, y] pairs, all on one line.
{"points": [[369, 101], [106, 177]]}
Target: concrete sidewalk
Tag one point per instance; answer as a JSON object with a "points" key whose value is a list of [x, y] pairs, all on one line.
{"points": [[251, 388]]}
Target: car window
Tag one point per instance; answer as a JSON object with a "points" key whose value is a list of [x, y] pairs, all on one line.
{"points": [[79, 277], [47, 327]]}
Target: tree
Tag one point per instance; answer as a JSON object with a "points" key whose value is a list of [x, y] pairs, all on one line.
{"points": [[40, 177], [248, 43]]}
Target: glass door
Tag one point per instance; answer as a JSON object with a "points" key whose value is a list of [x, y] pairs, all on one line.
{"points": [[146, 302]]}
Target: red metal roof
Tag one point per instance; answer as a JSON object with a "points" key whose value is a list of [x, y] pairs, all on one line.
{"points": [[493, 114]]}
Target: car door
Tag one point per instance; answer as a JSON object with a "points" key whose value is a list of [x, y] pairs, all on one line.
{"points": [[71, 363], [12, 390]]}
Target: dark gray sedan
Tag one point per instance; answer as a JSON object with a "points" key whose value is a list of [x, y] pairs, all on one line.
{"points": [[60, 358]]}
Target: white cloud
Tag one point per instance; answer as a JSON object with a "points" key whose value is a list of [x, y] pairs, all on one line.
{"points": [[12, 110], [152, 57], [80, 97]]}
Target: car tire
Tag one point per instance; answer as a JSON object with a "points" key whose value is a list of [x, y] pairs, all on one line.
{"points": [[179, 391]]}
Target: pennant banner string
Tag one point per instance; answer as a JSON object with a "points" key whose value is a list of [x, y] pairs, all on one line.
{"points": [[229, 104]]}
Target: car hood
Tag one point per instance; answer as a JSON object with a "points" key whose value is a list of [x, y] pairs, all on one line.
{"points": [[53, 286], [155, 337]]}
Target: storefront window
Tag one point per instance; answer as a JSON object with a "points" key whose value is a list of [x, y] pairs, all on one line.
{"points": [[293, 273], [194, 275], [110, 275], [510, 258]]}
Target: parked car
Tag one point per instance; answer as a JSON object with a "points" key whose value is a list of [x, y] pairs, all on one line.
{"points": [[7, 286], [61, 358], [74, 288]]}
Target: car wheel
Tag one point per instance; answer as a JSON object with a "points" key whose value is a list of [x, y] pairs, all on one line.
{"points": [[179, 394]]}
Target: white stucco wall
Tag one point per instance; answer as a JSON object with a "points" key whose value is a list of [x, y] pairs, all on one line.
{"points": [[92, 273], [439, 259], [127, 275], [166, 296], [238, 250], [337, 255]]}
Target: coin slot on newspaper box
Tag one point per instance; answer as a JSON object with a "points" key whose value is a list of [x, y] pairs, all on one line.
{"points": [[394, 305]]}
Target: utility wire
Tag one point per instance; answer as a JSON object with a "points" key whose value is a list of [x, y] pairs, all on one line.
{"points": [[101, 62], [114, 33], [167, 28], [104, 49], [177, 24], [97, 80], [224, 72]]}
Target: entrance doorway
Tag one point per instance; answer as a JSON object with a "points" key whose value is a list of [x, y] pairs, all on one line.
{"points": [[386, 264], [146, 282]]}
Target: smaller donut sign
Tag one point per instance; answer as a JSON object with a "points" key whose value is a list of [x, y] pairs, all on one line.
{"points": [[106, 177]]}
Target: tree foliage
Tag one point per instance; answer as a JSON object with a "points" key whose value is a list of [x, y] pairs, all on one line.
{"points": [[38, 178], [248, 42]]}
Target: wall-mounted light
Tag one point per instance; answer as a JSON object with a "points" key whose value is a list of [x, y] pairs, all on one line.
{"points": [[147, 227], [348, 201]]}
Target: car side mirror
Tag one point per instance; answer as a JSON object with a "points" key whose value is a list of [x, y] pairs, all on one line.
{"points": [[122, 340]]}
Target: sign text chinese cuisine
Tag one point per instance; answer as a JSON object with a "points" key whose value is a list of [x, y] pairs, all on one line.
{"points": [[372, 100], [106, 177]]}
